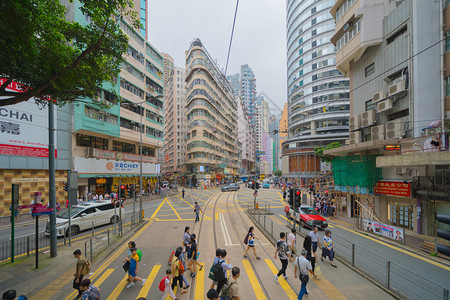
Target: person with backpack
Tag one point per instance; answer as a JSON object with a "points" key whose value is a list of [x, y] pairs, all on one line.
{"points": [[164, 286], [220, 270], [177, 271], [250, 242], [183, 262], [83, 268], [230, 290], [307, 245], [132, 276], [304, 267], [283, 252], [90, 292], [192, 256], [211, 271]]}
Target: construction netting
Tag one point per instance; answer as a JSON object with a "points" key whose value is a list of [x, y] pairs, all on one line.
{"points": [[358, 170]]}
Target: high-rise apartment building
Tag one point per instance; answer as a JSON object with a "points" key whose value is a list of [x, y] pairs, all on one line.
{"points": [[274, 132], [175, 125], [318, 94], [245, 129], [168, 67], [283, 133], [212, 153], [391, 51], [248, 91]]}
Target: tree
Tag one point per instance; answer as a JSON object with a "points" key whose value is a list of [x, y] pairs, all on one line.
{"points": [[326, 158], [54, 58], [277, 173]]}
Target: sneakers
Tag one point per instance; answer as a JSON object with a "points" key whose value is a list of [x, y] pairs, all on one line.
{"points": [[258, 258], [193, 274], [285, 277], [201, 267], [276, 279], [130, 285], [77, 297], [143, 282], [187, 286], [245, 256]]}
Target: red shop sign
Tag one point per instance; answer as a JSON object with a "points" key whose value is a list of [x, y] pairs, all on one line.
{"points": [[394, 188]]}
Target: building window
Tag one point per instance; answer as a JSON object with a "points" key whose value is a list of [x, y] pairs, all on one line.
{"points": [[91, 141], [447, 86], [300, 52], [124, 147], [369, 70], [314, 44], [300, 62], [447, 41], [313, 10], [313, 21], [369, 105], [314, 32], [148, 151], [300, 41]]}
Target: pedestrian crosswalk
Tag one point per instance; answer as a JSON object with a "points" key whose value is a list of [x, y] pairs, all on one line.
{"points": [[119, 290]]}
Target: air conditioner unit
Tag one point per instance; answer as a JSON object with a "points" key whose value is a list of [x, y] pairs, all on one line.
{"points": [[430, 131], [394, 130], [368, 118], [381, 95], [377, 133], [396, 87], [355, 137], [385, 105], [89, 152], [354, 122]]}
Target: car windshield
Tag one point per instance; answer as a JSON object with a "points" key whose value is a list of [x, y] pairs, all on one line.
{"points": [[308, 211], [64, 214]]}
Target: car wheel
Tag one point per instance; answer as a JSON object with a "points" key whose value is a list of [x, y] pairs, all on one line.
{"points": [[74, 230], [117, 219]]}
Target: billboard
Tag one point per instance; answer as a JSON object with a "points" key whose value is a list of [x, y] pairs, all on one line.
{"points": [[103, 166], [391, 232], [23, 127]]}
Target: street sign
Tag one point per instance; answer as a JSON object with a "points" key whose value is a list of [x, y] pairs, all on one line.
{"points": [[115, 201], [26, 206], [260, 152], [166, 158], [41, 213]]}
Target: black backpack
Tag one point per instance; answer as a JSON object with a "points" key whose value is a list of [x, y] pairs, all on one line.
{"points": [[219, 275]]}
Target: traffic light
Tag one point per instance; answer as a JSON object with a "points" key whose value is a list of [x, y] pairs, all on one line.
{"points": [[442, 233], [311, 188], [65, 187], [122, 192], [291, 197], [298, 196], [253, 185], [258, 185]]}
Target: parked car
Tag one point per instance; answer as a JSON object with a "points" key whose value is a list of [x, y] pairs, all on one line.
{"points": [[307, 216], [230, 187], [82, 216], [266, 184]]}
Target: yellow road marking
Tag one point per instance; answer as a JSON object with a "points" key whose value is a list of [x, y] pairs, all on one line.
{"points": [[159, 207], [200, 284], [186, 202], [205, 201], [281, 199], [174, 209], [289, 291], [254, 282], [329, 289], [148, 284], [112, 257], [103, 277], [398, 249], [118, 289]]}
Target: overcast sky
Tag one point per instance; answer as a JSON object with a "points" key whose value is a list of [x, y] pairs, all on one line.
{"points": [[259, 36]]}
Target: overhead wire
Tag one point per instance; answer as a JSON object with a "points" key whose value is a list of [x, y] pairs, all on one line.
{"points": [[231, 38]]}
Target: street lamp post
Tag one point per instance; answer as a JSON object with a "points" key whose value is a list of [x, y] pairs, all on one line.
{"points": [[141, 112]]}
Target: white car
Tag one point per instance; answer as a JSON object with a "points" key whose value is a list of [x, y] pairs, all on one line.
{"points": [[82, 216]]}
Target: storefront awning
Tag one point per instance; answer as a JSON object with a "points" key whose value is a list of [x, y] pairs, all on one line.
{"points": [[116, 175], [188, 175]]}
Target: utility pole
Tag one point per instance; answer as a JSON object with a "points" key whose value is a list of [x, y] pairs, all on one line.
{"points": [[51, 177]]}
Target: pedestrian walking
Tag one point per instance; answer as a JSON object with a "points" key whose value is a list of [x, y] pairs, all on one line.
{"points": [[90, 292], [327, 249], [283, 252], [250, 242], [82, 268], [192, 256], [186, 239], [291, 240], [231, 290], [212, 294], [307, 245], [12, 295], [304, 267], [132, 271], [183, 262], [197, 210], [225, 266], [211, 274], [182, 192], [165, 286], [177, 271], [314, 234]]}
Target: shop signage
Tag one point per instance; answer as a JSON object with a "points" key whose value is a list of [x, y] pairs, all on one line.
{"points": [[107, 154], [101, 181], [396, 147], [391, 232], [104, 154], [393, 188], [103, 166], [23, 127]]}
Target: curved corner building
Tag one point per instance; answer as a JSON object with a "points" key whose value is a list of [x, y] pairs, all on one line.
{"points": [[212, 151], [318, 94]]}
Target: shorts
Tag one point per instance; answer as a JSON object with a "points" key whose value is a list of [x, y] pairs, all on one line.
{"points": [[251, 245], [314, 246], [132, 272]]}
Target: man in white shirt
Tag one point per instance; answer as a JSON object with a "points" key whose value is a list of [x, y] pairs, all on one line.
{"points": [[314, 234], [291, 240], [304, 266]]}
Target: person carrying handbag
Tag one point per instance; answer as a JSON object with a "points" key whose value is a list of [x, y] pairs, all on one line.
{"points": [[304, 267]]}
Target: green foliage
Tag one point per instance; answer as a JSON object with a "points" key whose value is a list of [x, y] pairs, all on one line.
{"points": [[277, 172], [56, 58], [326, 158]]}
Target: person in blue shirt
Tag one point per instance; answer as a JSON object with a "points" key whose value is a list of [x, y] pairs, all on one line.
{"points": [[12, 295]]}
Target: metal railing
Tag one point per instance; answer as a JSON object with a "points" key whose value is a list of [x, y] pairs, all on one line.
{"points": [[391, 275], [24, 246]]}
